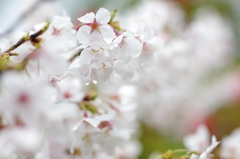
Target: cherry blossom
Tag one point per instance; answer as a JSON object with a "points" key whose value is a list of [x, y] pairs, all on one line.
{"points": [[152, 45], [78, 92], [126, 44], [93, 65], [200, 142], [96, 27]]}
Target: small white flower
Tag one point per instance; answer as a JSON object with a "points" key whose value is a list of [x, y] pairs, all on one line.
{"points": [[71, 89], [96, 27], [151, 46], [200, 142], [94, 65], [126, 45]]}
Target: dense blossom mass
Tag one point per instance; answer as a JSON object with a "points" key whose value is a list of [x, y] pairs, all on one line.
{"points": [[78, 92], [46, 109]]}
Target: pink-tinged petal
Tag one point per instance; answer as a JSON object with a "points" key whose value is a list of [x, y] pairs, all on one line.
{"points": [[132, 47], [103, 16], [198, 141], [83, 34], [147, 56], [129, 34], [149, 34], [96, 40], [87, 18], [151, 50], [88, 38], [107, 32], [116, 42]]}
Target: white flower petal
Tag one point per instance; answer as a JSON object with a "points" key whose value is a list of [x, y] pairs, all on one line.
{"points": [[103, 16], [149, 34], [85, 57], [133, 47], [129, 34], [156, 43], [105, 117], [198, 141], [92, 121], [213, 145], [116, 42], [26, 139], [107, 32], [127, 75], [87, 18], [50, 62], [59, 22], [11, 80], [74, 66], [83, 33], [62, 111], [118, 66], [147, 57], [98, 119], [101, 69]]}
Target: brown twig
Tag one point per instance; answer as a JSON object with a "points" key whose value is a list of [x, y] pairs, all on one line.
{"points": [[28, 37]]}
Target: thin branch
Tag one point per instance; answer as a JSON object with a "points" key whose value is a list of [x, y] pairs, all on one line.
{"points": [[28, 37]]}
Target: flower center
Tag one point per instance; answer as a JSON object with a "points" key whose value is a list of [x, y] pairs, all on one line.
{"points": [[67, 95], [94, 26], [23, 98]]}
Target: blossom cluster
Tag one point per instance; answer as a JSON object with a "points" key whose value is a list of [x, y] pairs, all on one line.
{"points": [[77, 92], [46, 109], [108, 53]]}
